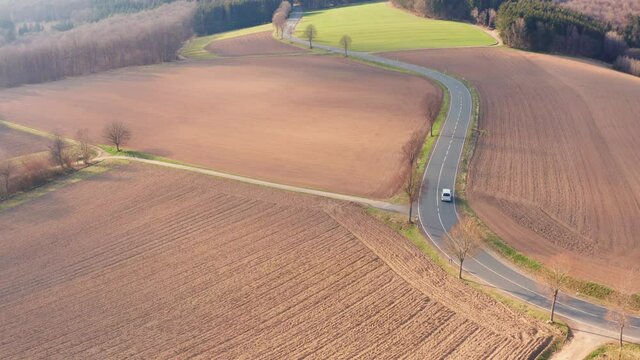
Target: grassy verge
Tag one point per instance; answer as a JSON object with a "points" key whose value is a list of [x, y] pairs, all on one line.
{"points": [[60, 182], [413, 233], [596, 292], [25, 129], [195, 48], [612, 351], [399, 223], [378, 26]]}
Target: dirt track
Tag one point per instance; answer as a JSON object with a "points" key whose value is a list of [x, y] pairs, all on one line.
{"points": [[176, 265], [16, 143], [557, 170], [252, 44], [313, 121]]}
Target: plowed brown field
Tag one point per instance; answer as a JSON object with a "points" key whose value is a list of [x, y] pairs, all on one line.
{"points": [[253, 44], [313, 121], [177, 265], [557, 171], [15, 143]]}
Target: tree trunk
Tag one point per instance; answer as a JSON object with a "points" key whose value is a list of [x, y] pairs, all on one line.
{"points": [[553, 303], [431, 129], [310, 44], [621, 330], [460, 270], [410, 213]]}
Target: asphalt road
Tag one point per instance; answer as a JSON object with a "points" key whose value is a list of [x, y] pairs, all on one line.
{"points": [[437, 217]]}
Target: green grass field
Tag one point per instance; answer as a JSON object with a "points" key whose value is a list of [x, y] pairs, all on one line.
{"points": [[380, 27], [195, 48]]}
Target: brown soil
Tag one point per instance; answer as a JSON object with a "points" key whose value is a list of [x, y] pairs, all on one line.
{"points": [[15, 143], [313, 121], [177, 265], [253, 44], [557, 171]]}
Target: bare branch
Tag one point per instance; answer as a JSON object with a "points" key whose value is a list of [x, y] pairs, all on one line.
{"points": [[463, 241], [117, 134]]}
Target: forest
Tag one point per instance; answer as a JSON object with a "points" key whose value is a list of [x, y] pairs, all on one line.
{"points": [[146, 37]]}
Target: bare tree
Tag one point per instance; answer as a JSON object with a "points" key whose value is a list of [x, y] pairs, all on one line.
{"points": [[491, 18], [618, 316], [310, 33], [463, 241], [412, 189], [117, 134], [6, 169], [84, 146], [621, 300], [411, 154], [411, 149], [57, 150], [431, 105], [279, 21], [345, 42], [475, 15], [556, 277]]}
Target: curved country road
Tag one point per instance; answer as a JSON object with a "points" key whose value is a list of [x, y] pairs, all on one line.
{"points": [[438, 217]]}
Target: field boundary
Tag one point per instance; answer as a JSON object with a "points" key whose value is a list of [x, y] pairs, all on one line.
{"points": [[177, 165], [59, 183]]}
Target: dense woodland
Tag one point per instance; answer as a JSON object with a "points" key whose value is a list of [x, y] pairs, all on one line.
{"points": [[543, 26], [214, 16]]}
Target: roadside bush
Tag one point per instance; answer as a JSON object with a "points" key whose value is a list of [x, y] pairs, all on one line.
{"points": [[595, 290], [35, 172]]}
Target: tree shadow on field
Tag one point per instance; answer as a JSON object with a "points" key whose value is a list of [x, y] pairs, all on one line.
{"points": [[157, 152]]}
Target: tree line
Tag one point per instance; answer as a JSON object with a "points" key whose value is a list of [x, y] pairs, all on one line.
{"points": [[213, 16], [146, 37], [544, 26]]}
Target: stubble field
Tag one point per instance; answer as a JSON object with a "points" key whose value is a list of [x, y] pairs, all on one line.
{"points": [[314, 121], [177, 265], [556, 171]]}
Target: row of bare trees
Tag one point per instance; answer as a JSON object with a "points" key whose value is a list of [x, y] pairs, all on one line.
{"points": [[279, 19], [412, 150], [147, 37], [64, 157]]}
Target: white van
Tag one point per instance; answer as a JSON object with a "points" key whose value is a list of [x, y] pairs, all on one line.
{"points": [[446, 195]]}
